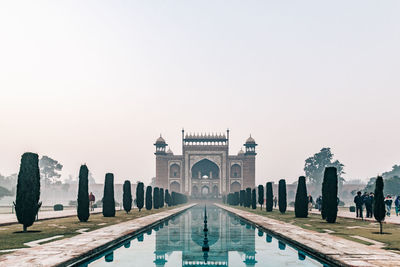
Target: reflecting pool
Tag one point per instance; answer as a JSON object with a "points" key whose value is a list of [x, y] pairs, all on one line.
{"points": [[191, 239]]}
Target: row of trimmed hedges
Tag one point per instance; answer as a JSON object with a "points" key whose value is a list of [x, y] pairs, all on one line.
{"points": [[248, 198], [330, 198]]}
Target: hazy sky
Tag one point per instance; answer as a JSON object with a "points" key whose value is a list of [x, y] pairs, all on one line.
{"points": [[96, 82]]}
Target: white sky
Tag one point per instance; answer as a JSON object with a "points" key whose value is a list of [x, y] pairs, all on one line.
{"points": [[96, 82]]}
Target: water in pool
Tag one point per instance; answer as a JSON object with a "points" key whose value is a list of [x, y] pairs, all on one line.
{"points": [[182, 241]]}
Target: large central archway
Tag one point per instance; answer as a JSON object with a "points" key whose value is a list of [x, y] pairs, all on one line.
{"points": [[205, 168]]}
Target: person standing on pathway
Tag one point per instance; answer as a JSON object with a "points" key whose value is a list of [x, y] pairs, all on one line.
{"points": [[358, 200], [388, 203], [92, 199], [275, 201], [319, 203], [310, 202], [368, 205], [397, 205]]}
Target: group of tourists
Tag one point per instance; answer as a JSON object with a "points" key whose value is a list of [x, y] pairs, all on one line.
{"points": [[368, 199], [361, 201], [389, 203]]}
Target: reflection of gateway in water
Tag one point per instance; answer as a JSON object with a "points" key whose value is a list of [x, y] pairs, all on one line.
{"points": [[186, 233]]}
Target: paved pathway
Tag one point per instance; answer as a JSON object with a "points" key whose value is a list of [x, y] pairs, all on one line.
{"points": [[345, 213], [335, 249], [66, 251], [6, 219]]}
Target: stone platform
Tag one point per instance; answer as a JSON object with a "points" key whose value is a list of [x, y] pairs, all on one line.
{"points": [[67, 251], [7, 219], [334, 249]]}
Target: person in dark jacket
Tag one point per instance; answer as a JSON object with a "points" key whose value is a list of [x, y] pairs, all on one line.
{"points": [[368, 205], [388, 203], [397, 205], [358, 200], [319, 203], [310, 202]]}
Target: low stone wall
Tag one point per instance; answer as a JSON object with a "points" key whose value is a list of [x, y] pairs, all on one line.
{"points": [[67, 251], [339, 251]]}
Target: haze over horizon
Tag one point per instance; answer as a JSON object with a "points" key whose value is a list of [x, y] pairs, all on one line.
{"points": [[97, 82]]}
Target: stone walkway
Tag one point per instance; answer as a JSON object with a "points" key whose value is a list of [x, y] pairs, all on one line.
{"points": [[332, 248], [66, 251], [352, 215], [6, 219]]}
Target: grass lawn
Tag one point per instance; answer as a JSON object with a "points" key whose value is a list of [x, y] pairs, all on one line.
{"points": [[10, 238], [344, 227]]}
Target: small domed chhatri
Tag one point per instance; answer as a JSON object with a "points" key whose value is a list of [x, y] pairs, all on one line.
{"points": [[160, 140], [169, 152], [160, 146], [250, 140], [241, 152]]}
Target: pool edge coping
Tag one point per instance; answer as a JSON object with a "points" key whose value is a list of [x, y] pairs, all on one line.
{"points": [[103, 248], [318, 255]]}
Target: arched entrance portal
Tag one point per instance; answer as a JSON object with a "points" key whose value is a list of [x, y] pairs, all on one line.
{"points": [[205, 176], [205, 190], [205, 167]]}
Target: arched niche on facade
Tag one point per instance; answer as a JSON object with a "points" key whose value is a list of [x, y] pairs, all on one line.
{"points": [[204, 168], [195, 191], [235, 187], [175, 186], [174, 171], [215, 191], [236, 171]]}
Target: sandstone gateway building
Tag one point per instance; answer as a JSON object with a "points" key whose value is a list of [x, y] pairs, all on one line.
{"points": [[205, 168]]}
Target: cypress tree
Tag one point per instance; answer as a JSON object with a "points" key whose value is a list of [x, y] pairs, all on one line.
{"points": [[229, 199], [237, 198], [127, 196], [242, 197], [330, 198], [83, 194], [270, 197], [161, 205], [282, 196], [173, 198], [27, 202], [108, 197], [379, 202], [156, 198], [261, 195], [253, 199], [248, 198], [140, 196], [324, 193], [301, 202], [149, 200], [167, 197]]}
